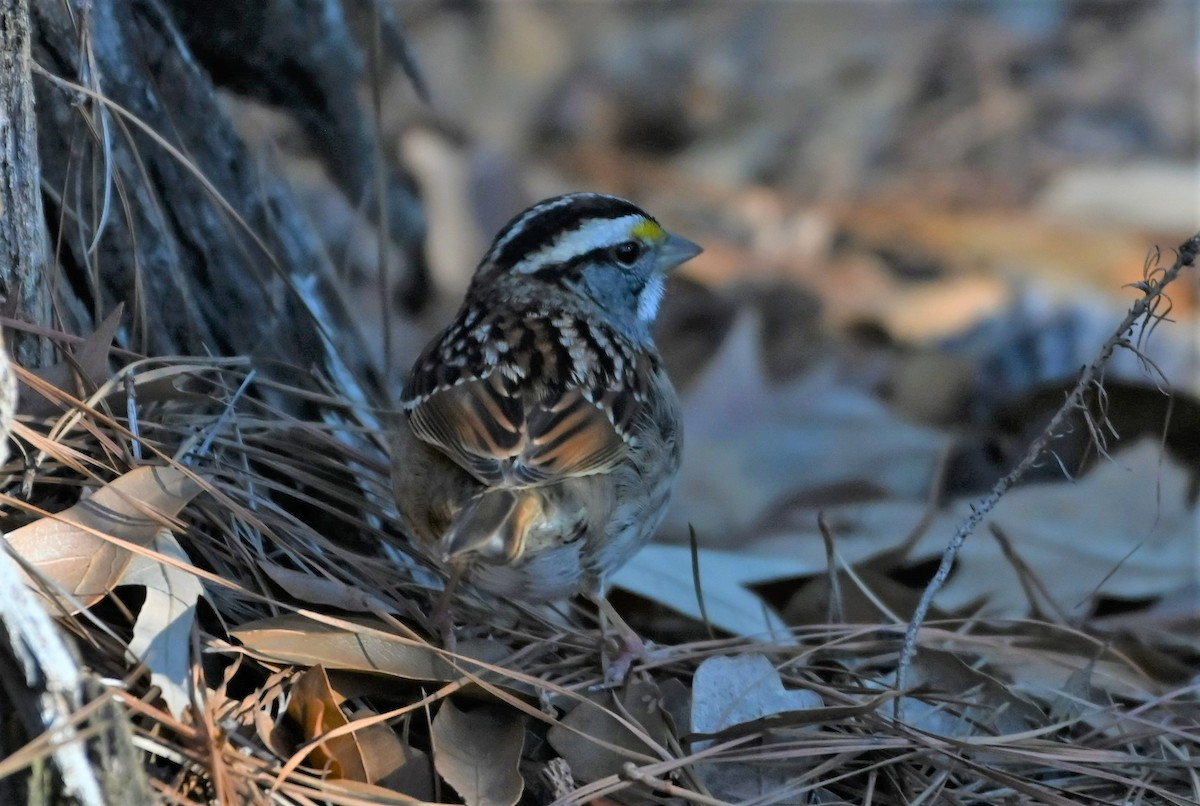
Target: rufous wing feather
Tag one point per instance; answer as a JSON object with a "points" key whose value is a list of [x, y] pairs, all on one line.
{"points": [[516, 440]]}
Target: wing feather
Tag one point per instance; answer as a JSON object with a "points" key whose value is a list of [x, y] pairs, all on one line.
{"points": [[531, 415], [517, 441]]}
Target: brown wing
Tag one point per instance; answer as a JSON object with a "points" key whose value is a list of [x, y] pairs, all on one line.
{"points": [[561, 399], [511, 438]]}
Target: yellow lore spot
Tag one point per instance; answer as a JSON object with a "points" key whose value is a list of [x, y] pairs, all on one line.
{"points": [[647, 230]]}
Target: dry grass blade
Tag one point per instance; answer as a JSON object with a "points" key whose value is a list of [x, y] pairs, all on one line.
{"points": [[295, 528]]}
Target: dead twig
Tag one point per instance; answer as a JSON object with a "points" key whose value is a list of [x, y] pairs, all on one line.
{"points": [[1153, 288]]}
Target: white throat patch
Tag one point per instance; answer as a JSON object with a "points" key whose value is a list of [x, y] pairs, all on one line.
{"points": [[650, 297]]}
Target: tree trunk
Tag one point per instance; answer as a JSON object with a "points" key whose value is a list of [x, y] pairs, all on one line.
{"points": [[152, 199], [22, 223]]}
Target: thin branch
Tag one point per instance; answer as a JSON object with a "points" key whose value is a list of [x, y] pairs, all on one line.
{"points": [[1152, 289]]}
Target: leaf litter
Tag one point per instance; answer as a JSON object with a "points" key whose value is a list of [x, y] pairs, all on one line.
{"points": [[277, 585], [322, 622]]}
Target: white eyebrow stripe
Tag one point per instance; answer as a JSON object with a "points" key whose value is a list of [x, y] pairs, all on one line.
{"points": [[518, 226], [595, 234]]}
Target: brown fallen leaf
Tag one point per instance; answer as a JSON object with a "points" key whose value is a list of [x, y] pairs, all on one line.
{"points": [[478, 752], [373, 754], [292, 638], [69, 548], [582, 735], [86, 368]]}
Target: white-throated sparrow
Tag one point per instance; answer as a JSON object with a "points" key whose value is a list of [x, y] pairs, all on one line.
{"points": [[540, 439]]}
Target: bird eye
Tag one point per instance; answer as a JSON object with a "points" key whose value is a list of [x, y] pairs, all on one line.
{"points": [[627, 253]]}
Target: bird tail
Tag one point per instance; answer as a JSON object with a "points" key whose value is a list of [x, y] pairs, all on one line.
{"points": [[493, 525]]}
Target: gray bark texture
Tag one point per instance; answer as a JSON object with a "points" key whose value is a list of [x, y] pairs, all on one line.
{"points": [[22, 227], [152, 199]]}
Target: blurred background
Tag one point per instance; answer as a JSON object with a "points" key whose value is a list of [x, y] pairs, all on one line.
{"points": [[911, 169], [910, 165], [920, 220]]}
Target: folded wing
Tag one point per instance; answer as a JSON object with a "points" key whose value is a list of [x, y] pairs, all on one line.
{"points": [[522, 438]]}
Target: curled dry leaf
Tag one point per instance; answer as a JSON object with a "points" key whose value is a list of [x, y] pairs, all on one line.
{"points": [[478, 752], [69, 550], [162, 634], [372, 755]]}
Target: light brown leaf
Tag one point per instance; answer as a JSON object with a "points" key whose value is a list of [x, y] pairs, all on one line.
{"points": [[478, 752], [68, 548], [292, 638], [373, 754]]}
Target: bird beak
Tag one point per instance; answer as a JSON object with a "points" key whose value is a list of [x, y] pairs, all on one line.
{"points": [[674, 251]]}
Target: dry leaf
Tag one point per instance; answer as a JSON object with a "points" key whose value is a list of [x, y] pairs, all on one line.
{"points": [[373, 754], [316, 590], [89, 359], [66, 549], [751, 444], [810, 603], [982, 704], [292, 638], [478, 752], [663, 574], [162, 634], [1124, 530], [641, 703], [1043, 670], [729, 691]]}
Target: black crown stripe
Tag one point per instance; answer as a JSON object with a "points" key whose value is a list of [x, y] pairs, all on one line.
{"points": [[538, 228]]}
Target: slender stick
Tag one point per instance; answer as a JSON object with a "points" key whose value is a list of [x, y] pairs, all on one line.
{"points": [[1152, 289]]}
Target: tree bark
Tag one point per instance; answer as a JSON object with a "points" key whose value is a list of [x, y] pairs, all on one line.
{"points": [[154, 201], [22, 223], [42, 684]]}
